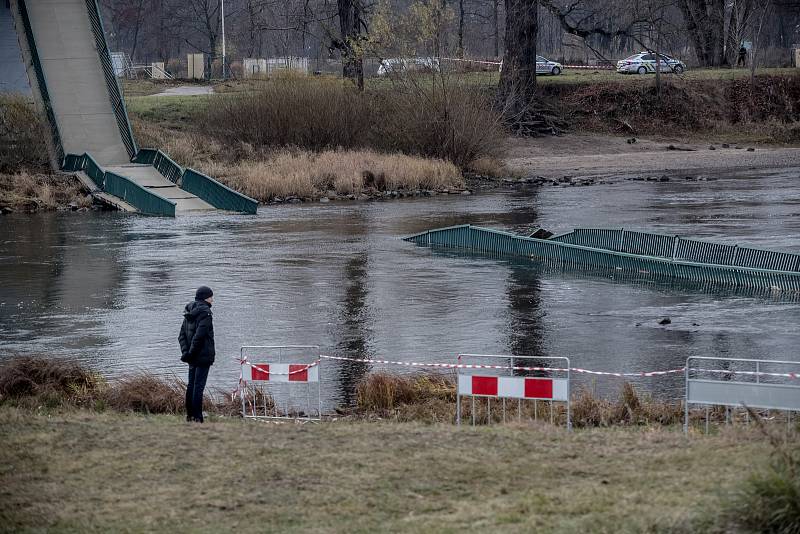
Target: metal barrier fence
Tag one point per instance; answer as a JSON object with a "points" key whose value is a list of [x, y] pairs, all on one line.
{"points": [[87, 164], [197, 183], [112, 83], [526, 379], [599, 248], [733, 382], [146, 201], [678, 248], [287, 375], [163, 163], [217, 194]]}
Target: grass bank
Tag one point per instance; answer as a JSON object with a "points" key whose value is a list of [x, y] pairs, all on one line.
{"points": [[319, 137], [85, 471], [78, 453]]}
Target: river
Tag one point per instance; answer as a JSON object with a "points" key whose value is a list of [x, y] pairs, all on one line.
{"points": [[109, 289]]}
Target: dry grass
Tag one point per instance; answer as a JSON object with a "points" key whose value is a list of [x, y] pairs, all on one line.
{"points": [[307, 174], [55, 383], [769, 499], [490, 167], [431, 398], [108, 472], [266, 174], [22, 135], [146, 393], [31, 192], [44, 383]]}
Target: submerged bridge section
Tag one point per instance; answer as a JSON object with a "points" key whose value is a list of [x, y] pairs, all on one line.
{"points": [[72, 79], [642, 254]]}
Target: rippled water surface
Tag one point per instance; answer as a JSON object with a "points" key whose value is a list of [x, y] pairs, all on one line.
{"points": [[109, 288]]}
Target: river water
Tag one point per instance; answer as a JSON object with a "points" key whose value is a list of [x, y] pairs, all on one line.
{"points": [[109, 289]]}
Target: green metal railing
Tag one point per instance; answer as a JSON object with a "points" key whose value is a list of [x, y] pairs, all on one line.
{"points": [[144, 200], [678, 248], [87, 164], [217, 194], [163, 163], [601, 249], [114, 90], [55, 136], [196, 183]]}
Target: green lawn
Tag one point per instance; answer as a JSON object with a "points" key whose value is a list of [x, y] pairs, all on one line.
{"points": [[109, 472]]}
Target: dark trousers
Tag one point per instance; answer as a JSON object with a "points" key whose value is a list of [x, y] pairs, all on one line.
{"points": [[194, 393]]}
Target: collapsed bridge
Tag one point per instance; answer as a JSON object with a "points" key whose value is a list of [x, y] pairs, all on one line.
{"points": [[72, 79]]}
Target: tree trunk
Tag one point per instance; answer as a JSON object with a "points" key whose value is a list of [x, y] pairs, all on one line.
{"points": [[705, 23], [518, 78], [460, 50], [350, 43], [136, 29], [496, 22]]}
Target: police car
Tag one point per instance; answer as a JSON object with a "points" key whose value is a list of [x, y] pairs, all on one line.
{"points": [[545, 66], [645, 62]]}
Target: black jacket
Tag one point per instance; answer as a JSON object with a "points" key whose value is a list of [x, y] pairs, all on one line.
{"points": [[197, 335]]}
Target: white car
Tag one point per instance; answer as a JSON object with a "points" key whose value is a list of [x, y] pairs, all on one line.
{"points": [[645, 62], [545, 66]]}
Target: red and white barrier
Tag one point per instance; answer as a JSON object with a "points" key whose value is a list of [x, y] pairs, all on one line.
{"points": [[281, 372], [514, 387], [288, 374]]}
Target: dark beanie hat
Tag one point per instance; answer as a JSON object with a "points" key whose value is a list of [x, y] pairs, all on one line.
{"points": [[203, 292]]}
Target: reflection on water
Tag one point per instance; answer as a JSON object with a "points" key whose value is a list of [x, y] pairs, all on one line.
{"points": [[109, 289]]}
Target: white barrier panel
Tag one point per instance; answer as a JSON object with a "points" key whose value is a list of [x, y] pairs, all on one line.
{"points": [[735, 382], [281, 382], [514, 387], [505, 377]]}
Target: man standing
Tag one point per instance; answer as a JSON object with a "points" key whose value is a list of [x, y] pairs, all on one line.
{"points": [[197, 349], [742, 60]]}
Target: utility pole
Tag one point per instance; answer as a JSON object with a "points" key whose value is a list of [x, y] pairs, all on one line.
{"points": [[222, 10]]}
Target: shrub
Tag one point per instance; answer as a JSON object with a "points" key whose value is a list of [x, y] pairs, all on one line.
{"points": [[446, 118], [294, 111], [443, 118], [22, 135]]}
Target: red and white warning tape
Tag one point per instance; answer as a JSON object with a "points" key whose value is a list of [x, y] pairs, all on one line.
{"points": [[502, 367], [482, 62], [435, 365], [589, 67]]}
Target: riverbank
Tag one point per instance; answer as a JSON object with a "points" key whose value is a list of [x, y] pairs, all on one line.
{"points": [[606, 157], [107, 471], [30, 192]]}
